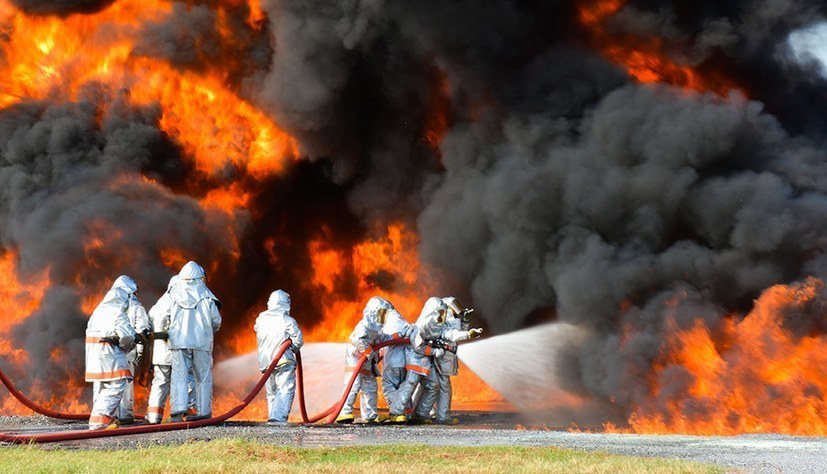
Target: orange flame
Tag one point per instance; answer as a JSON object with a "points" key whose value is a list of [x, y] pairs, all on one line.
{"points": [[18, 300], [751, 376], [392, 257], [232, 146], [55, 57], [643, 57]]}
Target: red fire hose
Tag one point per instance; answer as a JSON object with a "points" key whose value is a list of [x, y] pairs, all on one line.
{"points": [[331, 412], [43, 411]]}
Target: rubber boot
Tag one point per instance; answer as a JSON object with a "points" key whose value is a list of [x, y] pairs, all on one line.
{"points": [[348, 418]]}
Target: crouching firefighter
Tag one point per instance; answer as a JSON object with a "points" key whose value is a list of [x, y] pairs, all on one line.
{"points": [[366, 333], [109, 336]]}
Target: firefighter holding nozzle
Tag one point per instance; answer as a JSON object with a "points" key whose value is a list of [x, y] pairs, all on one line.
{"points": [[432, 360], [457, 328]]}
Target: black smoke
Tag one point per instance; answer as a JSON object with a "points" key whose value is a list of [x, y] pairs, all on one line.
{"points": [[561, 189]]}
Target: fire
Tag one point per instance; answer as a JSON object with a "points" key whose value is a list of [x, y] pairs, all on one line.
{"points": [[232, 146], [19, 299], [212, 123], [387, 267], [645, 57], [471, 391], [56, 57], [61, 58], [438, 120], [753, 375]]}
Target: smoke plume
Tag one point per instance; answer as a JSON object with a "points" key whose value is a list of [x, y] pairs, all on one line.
{"points": [[549, 173]]}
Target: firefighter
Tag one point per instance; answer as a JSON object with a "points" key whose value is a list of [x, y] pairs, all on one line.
{"points": [[421, 355], [192, 321], [139, 321], [109, 337], [273, 327], [368, 331]]}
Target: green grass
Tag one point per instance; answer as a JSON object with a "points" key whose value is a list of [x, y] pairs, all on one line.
{"points": [[236, 455]]}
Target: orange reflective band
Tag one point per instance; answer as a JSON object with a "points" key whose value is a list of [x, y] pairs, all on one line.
{"points": [[118, 374], [361, 371], [418, 369], [94, 340], [428, 350], [99, 419]]}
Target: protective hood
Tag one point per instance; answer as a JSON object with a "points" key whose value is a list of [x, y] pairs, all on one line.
{"points": [[393, 318], [172, 282], [126, 284], [432, 318], [191, 271], [115, 299], [375, 311], [190, 288], [279, 301], [429, 307]]}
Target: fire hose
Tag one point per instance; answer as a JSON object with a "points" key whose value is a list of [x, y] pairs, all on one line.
{"points": [[331, 413]]}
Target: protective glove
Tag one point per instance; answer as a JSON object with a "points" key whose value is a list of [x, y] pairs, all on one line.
{"points": [[438, 353], [474, 333], [139, 354]]}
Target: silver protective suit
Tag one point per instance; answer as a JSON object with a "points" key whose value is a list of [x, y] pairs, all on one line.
{"points": [[106, 364], [193, 320], [368, 331], [139, 321], [393, 357], [420, 357], [273, 327], [162, 362], [448, 365]]}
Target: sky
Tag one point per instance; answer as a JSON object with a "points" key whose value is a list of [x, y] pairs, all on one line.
{"points": [[811, 43]]}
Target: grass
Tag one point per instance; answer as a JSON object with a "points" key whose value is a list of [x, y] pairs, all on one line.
{"points": [[238, 455]]}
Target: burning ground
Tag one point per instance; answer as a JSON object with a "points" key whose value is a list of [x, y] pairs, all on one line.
{"points": [[652, 173]]}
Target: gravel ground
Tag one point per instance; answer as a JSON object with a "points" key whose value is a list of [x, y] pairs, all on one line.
{"points": [[749, 453]]}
